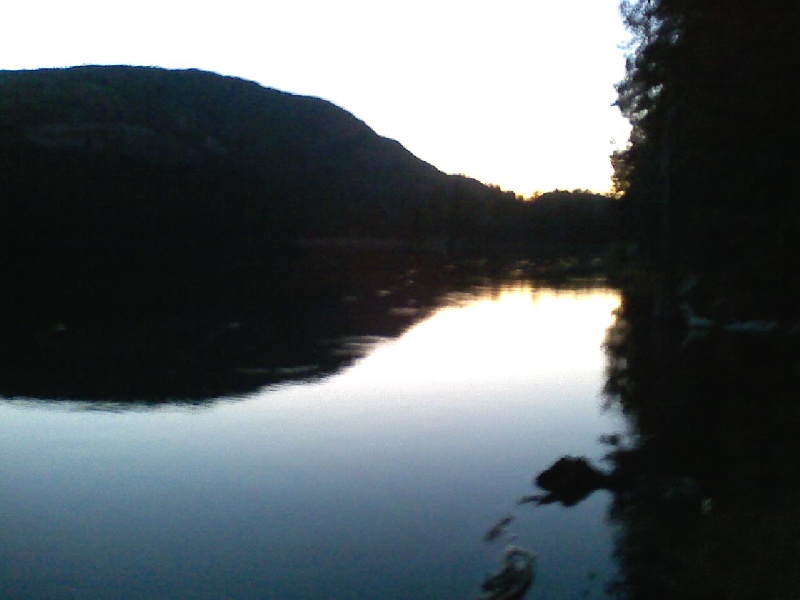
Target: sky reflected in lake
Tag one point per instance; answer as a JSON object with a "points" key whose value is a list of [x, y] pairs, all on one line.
{"points": [[511, 332], [377, 482]]}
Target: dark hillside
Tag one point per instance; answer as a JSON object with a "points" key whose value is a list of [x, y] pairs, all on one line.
{"points": [[119, 181], [129, 188], [143, 126]]}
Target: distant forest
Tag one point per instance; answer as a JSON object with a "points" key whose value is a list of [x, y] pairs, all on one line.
{"points": [[706, 180]]}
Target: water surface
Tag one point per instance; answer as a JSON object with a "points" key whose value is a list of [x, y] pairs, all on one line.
{"points": [[378, 481]]}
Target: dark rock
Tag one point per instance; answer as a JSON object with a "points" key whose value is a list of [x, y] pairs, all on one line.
{"points": [[569, 481]]}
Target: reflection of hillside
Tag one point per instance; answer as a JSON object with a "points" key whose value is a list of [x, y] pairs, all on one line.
{"points": [[710, 507], [227, 335], [307, 316]]}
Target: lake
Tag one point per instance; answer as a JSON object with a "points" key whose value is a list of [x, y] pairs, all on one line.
{"points": [[376, 475]]}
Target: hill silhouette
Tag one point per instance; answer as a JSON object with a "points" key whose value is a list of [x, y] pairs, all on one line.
{"points": [[127, 186], [194, 150], [131, 187]]}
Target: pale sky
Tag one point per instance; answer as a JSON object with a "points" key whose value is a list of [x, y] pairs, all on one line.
{"points": [[516, 93]]}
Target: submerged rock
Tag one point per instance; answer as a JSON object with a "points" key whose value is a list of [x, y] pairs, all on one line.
{"points": [[514, 577], [568, 481], [498, 529]]}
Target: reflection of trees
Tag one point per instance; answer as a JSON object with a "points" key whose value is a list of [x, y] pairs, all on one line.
{"points": [[710, 509]]}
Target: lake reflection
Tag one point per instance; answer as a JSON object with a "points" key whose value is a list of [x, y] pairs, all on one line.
{"points": [[376, 482]]}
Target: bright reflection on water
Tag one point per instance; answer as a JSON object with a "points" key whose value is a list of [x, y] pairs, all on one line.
{"points": [[506, 335], [378, 482]]}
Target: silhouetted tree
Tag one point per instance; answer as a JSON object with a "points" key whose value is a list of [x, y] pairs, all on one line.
{"points": [[705, 176]]}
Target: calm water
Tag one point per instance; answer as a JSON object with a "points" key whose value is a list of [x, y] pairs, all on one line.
{"points": [[376, 481]]}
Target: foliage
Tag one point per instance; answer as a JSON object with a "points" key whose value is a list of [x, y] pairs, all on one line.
{"points": [[705, 176], [711, 508]]}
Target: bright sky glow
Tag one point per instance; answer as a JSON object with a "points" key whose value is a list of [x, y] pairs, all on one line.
{"points": [[516, 93]]}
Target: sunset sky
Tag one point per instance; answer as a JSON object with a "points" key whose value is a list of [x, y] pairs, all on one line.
{"points": [[514, 93]]}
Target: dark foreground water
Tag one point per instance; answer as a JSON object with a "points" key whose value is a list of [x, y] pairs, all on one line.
{"points": [[376, 479]]}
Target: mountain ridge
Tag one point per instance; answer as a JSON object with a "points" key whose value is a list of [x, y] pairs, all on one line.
{"points": [[193, 114], [311, 164]]}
